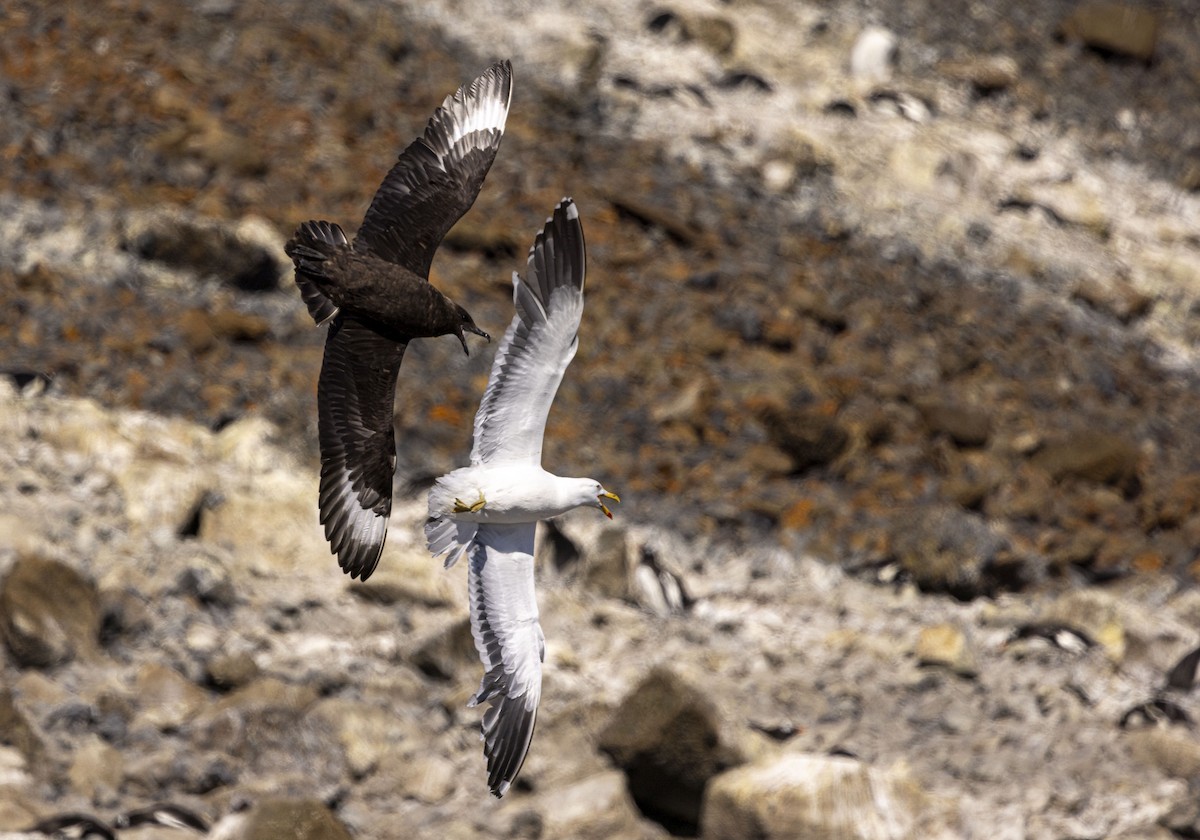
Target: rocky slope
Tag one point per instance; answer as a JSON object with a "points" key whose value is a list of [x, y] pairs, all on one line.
{"points": [[174, 630], [876, 317]]}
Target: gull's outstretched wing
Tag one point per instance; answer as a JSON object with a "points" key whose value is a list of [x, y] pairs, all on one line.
{"points": [[355, 396], [504, 622], [538, 346], [439, 175]]}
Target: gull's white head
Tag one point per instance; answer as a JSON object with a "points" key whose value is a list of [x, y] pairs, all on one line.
{"points": [[587, 492]]}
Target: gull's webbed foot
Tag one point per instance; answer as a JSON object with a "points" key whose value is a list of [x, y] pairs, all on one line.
{"points": [[462, 507]]}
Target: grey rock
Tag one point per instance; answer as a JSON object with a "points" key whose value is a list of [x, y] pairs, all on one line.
{"points": [[167, 699], [947, 646], [368, 734], [266, 518], [409, 578], [816, 796], [206, 578], [231, 670], [1173, 749], [426, 778], [1116, 297], [873, 54], [986, 74], [598, 807], [283, 819], [947, 549], [96, 770], [264, 722], [606, 564], [715, 32]]}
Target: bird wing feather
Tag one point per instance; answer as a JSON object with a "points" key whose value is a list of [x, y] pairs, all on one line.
{"points": [[504, 622], [437, 177], [355, 396], [537, 347]]}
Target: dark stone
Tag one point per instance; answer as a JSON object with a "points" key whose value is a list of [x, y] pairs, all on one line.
{"points": [[209, 249], [979, 233], [226, 671], [660, 19], [743, 320], [1093, 456], [810, 437], [304, 819], [705, 280], [664, 735], [49, 613], [444, 653], [967, 426], [955, 551], [1183, 819], [557, 549], [841, 108], [1114, 28], [744, 79], [1183, 676], [18, 733], [206, 580], [217, 773], [1154, 712]]}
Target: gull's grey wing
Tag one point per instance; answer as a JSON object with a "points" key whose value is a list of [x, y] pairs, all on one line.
{"points": [[355, 397], [538, 346], [438, 176], [504, 622]]}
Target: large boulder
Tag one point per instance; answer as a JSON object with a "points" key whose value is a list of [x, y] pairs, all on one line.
{"points": [[815, 797], [49, 613], [283, 819], [167, 699], [595, 808], [665, 736]]}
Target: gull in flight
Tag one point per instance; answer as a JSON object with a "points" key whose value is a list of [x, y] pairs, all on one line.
{"points": [[377, 295], [491, 508]]}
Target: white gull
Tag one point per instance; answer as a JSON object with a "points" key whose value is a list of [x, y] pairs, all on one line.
{"points": [[491, 508]]}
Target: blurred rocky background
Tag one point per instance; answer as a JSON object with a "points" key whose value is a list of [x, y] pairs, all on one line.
{"points": [[889, 350]]}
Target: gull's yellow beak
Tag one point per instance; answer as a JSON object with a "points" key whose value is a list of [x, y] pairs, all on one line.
{"points": [[607, 495]]}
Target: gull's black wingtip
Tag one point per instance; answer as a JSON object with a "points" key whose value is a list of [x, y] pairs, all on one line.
{"points": [[507, 731]]}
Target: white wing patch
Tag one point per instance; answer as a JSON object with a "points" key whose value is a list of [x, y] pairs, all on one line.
{"points": [[480, 108]]}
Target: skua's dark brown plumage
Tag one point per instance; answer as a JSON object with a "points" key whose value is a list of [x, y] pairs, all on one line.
{"points": [[376, 294]]}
